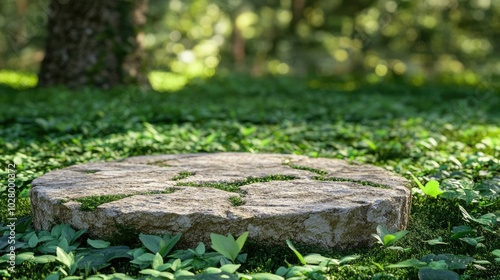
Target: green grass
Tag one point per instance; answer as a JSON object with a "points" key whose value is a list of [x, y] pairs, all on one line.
{"points": [[442, 132]]}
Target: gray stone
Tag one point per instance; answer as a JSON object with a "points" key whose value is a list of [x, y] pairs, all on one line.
{"points": [[325, 202]]}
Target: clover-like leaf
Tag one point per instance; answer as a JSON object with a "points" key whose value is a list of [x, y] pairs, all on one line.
{"points": [[431, 188]]}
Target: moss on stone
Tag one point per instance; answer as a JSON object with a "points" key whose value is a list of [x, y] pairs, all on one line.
{"points": [[234, 186], [183, 175]]}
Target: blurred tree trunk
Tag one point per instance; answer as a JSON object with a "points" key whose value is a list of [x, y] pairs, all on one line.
{"points": [[94, 43]]}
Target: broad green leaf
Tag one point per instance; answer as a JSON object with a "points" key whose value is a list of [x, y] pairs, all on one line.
{"points": [[453, 261], [176, 264], [64, 258], [72, 277], [382, 231], [474, 242], [282, 271], [200, 249], [436, 241], [460, 231], [98, 244], [398, 235], [167, 243], [481, 262], [388, 239], [496, 253], [53, 276], [156, 273], [348, 259], [157, 261], [437, 274], [163, 267], [242, 239], [266, 276], [299, 255], [230, 268], [315, 259], [488, 220], [432, 189], [183, 273], [25, 256], [408, 263], [148, 257], [151, 242], [226, 246], [441, 264], [212, 270], [63, 244], [379, 239], [44, 259], [33, 241]]}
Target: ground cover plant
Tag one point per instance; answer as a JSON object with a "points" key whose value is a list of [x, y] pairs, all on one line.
{"points": [[444, 138]]}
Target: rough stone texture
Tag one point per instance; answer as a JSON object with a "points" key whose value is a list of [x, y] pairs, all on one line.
{"points": [[340, 210]]}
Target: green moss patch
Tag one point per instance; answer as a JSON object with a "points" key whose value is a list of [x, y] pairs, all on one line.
{"points": [[160, 163], [183, 175], [361, 182], [307, 168], [236, 200], [235, 185], [90, 203]]}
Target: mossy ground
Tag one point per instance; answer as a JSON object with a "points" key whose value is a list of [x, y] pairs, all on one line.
{"points": [[436, 131]]}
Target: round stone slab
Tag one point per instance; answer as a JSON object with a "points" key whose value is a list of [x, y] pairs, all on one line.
{"points": [[316, 201]]}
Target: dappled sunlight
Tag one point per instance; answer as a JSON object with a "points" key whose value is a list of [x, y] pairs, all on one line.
{"points": [[17, 79], [165, 81]]}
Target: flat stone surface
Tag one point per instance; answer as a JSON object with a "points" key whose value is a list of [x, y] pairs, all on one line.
{"points": [[324, 202]]}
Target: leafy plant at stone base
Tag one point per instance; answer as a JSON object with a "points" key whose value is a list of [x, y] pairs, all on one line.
{"points": [[442, 266], [158, 268], [200, 258], [430, 189], [387, 239], [313, 266], [68, 268], [451, 266], [155, 244], [229, 247]]}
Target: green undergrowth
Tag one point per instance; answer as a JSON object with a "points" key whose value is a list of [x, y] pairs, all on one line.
{"points": [[443, 133]]}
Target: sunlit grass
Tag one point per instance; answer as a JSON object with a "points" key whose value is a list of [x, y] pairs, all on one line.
{"points": [[165, 81], [17, 79], [160, 81]]}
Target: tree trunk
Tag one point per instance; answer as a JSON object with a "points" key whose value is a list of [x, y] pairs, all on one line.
{"points": [[94, 43]]}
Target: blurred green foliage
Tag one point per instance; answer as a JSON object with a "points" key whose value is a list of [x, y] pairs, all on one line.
{"points": [[378, 38]]}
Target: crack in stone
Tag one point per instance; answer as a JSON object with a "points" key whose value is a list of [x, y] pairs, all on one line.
{"points": [[234, 186], [183, 175], [307, 168], [361, 182], [322, 174]]}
